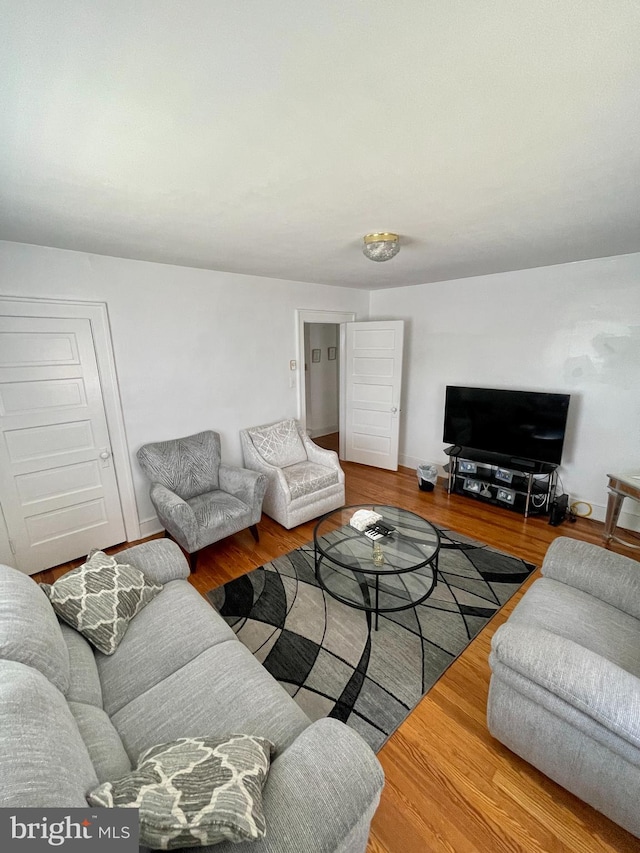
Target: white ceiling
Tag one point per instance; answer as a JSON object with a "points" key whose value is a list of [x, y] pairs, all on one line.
{"points": [[268, 136]]}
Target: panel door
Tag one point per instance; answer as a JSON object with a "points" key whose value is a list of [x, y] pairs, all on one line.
{"points": [[58, 486], [373, 385]]}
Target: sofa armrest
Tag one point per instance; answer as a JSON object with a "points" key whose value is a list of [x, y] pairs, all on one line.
{"points": [[318, 790], [321, 456], [176, 515], [598, 688], [319, 797], [248, 486], [160, 560], [611, 577]]}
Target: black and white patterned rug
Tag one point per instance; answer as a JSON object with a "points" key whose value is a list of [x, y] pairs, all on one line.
{"points": [[329, 658]]}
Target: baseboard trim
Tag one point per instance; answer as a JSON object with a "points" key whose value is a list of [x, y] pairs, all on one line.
{"points": [[413, 462], [150, 526], [320, 431], [627, 521]]}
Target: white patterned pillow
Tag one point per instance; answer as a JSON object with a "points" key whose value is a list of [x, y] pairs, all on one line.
{"points": [[100, 598], [195, 791], [279, 444]]}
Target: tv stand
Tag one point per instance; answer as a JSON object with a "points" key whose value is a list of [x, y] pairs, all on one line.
{"points": [[523, 485]]}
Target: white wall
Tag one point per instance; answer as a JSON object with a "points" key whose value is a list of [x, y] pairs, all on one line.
{"points": [[570, 328], [197, 349], [194, 349]]}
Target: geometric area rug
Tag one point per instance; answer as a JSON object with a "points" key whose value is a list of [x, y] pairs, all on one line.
{"points": [[327, 655]]}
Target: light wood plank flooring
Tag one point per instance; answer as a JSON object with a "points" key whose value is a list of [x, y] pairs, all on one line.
{"points": [[449, 786]]}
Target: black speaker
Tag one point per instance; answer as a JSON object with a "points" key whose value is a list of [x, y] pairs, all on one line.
{"points": [[558, 510]]}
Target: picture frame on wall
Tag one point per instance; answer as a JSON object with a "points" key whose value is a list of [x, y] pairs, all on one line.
{"points": [[331, 353], [316, 355]]}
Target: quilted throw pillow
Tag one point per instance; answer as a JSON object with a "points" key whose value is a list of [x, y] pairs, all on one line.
{"points": [[195, 791], [100, 598], [279, 444]]}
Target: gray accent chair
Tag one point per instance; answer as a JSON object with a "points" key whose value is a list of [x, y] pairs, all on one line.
{"points": [[198, 498], [303, 480], [565, 684], [72, 717]]}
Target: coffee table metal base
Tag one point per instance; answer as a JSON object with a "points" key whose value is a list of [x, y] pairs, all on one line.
{"points": [[395, 572], [363, 582]]}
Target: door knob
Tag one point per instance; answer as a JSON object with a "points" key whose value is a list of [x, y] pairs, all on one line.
{"points": [[394, 410], [105, 454]]}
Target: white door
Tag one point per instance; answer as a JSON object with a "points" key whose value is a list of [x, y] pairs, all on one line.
{"points": [[372, 375], [58, 486]]}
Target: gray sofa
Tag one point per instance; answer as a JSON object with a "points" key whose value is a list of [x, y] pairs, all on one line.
{"points": [[565, 684], [71, 717]]}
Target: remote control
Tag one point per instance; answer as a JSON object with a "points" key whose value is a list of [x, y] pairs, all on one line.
{"points": [[373, 533]]}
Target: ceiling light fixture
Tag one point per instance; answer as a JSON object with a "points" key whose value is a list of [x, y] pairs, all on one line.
{"points": [[381, 246]]}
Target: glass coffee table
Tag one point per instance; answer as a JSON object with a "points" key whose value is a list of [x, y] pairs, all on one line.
{"points": [[403, 576]]}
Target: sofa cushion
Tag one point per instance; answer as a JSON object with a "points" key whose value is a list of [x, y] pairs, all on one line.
{"points": [[219, 511], [279, 444], [583, 619], [176, 627], [195, 791], [108, 755], [223, 690], [29, 630], [100, 598], [44, 760], [305, 478], [84, 681]]}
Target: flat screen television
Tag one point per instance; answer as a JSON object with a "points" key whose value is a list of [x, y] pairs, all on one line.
{"points": [[521, 424]]}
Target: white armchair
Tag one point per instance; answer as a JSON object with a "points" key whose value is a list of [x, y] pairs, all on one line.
{"points": [[303, 480]]}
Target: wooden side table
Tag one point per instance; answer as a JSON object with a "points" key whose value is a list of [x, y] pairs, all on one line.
{"points": [[621, 486]]}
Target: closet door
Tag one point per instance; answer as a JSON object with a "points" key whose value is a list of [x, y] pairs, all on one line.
{"points": [[58, 486]]}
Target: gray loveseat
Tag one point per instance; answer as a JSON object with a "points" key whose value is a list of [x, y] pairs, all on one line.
{"points": [[565, 687], [71, 717]]}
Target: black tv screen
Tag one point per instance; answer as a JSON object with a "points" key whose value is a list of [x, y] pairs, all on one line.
{"points": [[521, 424]]}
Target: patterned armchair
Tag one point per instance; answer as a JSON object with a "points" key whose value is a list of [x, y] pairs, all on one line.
{"points": [[304, 480], [200, 500]]}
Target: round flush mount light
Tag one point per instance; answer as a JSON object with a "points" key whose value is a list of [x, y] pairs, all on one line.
{"points": [[381, 246]]}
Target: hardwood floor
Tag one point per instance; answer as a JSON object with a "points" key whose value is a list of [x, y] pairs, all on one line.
{"points": [[449, 786]]}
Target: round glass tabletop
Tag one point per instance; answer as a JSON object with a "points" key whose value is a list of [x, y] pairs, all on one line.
{"points": [[413, 543], [394, 572]]}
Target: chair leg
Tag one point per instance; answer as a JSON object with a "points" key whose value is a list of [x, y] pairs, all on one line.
{"points": [[254, 532]]}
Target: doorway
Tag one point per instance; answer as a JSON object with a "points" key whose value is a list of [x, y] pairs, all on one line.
{"points": [[319, 402], [369, 384], [321, 370]]}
